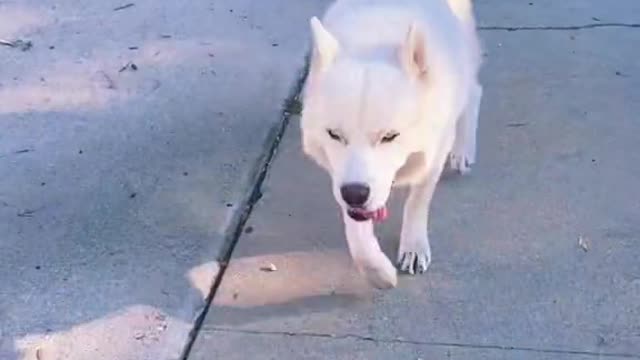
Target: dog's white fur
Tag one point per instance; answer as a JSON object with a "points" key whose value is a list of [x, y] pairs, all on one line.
{"points": [[381, 67]]}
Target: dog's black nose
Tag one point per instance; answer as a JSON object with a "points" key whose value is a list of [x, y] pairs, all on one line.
{"points": [[355, 194]]}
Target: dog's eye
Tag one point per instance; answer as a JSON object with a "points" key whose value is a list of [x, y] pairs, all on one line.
{"points": [[389, 137], [334, 135]]}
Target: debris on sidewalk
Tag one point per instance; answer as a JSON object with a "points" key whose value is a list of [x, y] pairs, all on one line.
{"points": [[270, 268], [27, 213], [125, 6], [106, 80], [23, 45], [153, 331], [23, 151], [583, 243], [130, 65], [293, 107]]}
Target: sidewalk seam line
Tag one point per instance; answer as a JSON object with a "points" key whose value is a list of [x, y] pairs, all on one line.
{"points": [[560, 28], [251, 198], [417, 342]]}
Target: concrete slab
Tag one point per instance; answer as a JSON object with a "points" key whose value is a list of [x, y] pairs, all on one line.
{"points": [[535, 254], [282, 346], [551, 13], [129, 133]]}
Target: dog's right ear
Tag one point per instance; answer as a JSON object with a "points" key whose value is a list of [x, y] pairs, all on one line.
{"points": [[412, 53], [325, 46]]}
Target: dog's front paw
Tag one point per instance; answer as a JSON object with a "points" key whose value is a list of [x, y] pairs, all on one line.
{"points": [[381, 273], [459, 162], [414, 257]]}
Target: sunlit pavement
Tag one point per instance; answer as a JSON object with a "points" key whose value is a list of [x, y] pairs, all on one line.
{"points": [[120, 184]]}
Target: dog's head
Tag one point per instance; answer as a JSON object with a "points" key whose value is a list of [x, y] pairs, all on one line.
{"points": [[361, 117]]}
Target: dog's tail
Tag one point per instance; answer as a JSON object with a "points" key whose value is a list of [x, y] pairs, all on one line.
{"points": [[463, 10]]}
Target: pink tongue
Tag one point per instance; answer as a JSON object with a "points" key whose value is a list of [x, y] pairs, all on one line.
{"points": [[379, 215]]}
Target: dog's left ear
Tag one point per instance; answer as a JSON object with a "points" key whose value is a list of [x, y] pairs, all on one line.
{"points": [[325, 46], [413, 55]]}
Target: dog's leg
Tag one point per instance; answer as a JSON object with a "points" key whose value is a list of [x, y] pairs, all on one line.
{"points": [[414, 253], [463, 153], [367, 255]]}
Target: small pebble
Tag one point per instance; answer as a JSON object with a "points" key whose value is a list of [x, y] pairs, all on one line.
{"points": [[270, 268], [583, 243]]}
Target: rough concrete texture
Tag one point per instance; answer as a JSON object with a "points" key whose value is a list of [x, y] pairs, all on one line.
{"points": [[284, 346], [128, 139], [535, 255], [552, 13]]}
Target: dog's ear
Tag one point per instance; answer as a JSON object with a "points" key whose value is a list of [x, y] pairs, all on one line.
{"points": [[325, 46], [413, 55]]}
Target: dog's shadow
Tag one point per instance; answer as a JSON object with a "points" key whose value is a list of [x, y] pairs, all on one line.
{"points": [[259, 289], [271, 277]]}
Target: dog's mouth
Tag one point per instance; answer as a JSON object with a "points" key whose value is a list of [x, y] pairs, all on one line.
{"points": [[359, 214]]}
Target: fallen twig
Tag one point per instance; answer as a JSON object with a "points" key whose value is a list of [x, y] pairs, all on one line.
{"points": [[125, 6], [26, 213], [23, 151], [129, 65], [19, 44]]}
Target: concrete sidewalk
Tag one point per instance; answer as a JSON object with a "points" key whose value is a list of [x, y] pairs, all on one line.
{"points": [[130, 135], [535, 254]]}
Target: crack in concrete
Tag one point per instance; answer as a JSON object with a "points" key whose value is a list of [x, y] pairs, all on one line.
{"points": [[402, 341], [254, 194], [560, 28]]}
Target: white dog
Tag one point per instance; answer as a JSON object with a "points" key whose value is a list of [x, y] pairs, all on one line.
{"points": [[392, 95]]}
